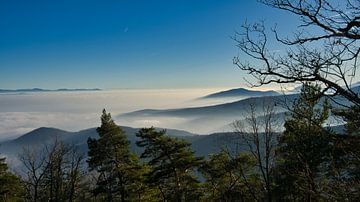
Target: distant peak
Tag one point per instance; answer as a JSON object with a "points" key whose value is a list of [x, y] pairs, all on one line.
{"points": [[40, 134], [242, 92]]}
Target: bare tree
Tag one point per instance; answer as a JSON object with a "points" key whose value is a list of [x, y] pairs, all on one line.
{"points": [[325, 48], [75, 172], [34, 164], [53, 172], [258, 135]]}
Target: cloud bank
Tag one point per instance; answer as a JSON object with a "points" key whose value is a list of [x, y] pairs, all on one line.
{"points": [[72, 111]]}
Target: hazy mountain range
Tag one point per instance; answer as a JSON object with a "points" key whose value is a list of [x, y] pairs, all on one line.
{"points": [[214, 118], [38, 138], [208, 119], [202, 145], [46, 90]]}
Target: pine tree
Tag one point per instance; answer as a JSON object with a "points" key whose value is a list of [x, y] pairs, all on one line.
{"points": [[110, 157], [303, 147], [345, 167], [172, 164], [231, 178], [11, 187]]}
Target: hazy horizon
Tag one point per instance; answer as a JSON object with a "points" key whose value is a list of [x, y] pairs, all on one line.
{"points": [[73, 111]]}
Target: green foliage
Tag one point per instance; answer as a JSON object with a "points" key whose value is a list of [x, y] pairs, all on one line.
{"points": [[230, 178], [304, 147], [110, 157], [11, 187], [344, 170], [352, 118], [172, 165]]}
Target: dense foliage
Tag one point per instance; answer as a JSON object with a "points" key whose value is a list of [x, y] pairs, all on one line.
{"points": [[115, 165], [11, 187]]}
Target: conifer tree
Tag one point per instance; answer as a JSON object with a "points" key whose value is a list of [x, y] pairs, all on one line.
{"points": [[231, 178], [172, 164], [303, 147], [11, 187], [110, 157]]}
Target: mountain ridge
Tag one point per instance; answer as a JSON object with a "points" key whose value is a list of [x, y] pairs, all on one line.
{"points": [[240, 92], [24, 90]]}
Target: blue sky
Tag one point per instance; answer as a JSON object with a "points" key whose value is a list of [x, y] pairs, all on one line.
{"points": [[124, 44]]}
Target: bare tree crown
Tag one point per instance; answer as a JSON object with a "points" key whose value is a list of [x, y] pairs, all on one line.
{"points": [[325, 48]]}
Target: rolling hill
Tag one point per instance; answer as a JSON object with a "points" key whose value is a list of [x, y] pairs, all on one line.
{"points": [[206, 119], [216, 118], [241, 92], [38, 138]]}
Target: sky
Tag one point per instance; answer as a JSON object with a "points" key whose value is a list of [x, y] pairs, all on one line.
{"points": [[125, 44]]}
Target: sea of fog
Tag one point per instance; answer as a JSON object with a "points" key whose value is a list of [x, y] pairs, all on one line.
{"points": [[73, 111]]}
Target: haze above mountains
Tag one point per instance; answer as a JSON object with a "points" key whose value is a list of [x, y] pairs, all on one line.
{"points": [[212, 121], [200, 112], [24, 111]]}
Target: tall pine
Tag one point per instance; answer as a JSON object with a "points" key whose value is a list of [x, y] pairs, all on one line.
{"points": [[172, 164], [303, 147], [231, 178], [110, 157], [11, 187]]}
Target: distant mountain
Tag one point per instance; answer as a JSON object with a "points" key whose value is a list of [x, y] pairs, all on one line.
{"points": [[241, 92], [46, 90], [228, 109], [42, 136], [206, 119], [202, 145], [215, 118], [231, 109]]}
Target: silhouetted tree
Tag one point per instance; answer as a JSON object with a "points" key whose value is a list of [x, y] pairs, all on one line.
{"points": [[63, 171], [303, 152], [231, 178], [258, 137], [11, 187], [34, 164], [171, 163], [110, 157], [325, 48]]}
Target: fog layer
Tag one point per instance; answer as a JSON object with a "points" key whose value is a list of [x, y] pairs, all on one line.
{"points": [[72, 111]]}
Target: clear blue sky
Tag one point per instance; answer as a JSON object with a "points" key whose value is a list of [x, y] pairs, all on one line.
{"points": [[124, 44]]}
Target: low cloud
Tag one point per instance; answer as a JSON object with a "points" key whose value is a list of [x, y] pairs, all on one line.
{"points": [[73, 111]]}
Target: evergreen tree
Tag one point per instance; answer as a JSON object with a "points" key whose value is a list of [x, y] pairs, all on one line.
{"points": [[351, 116], [231, 178], [11, 187], [303, 147], [110, 157], [172, 165], [344, 170]]}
